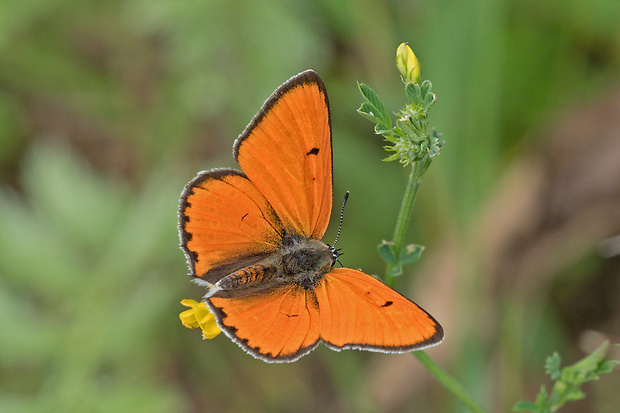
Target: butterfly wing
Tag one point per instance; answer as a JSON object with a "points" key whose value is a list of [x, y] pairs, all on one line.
{"points": [[347, 309], [225, 224], [275, 324], [286, 152], [358, 311]]}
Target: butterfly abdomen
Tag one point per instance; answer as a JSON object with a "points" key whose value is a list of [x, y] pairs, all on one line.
{"points": [[245, 276]]}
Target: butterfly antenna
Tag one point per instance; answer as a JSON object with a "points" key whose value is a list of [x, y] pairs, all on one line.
{"points": [[344, 202]]}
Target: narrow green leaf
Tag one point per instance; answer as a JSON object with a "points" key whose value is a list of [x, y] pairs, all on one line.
{"points": [[392, 157], [524, 406], [591, 361]]}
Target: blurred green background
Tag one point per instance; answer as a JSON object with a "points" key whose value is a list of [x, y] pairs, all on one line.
{"points": [[107, 109]]}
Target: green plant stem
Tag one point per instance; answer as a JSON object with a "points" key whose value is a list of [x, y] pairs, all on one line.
{"points": [[404, 215], [402, 223], [448, 382]]}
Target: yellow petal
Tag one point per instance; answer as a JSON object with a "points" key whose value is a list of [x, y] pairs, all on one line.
{"points": [[198, 315], [210, 330], [188, 302], [188, 319]]}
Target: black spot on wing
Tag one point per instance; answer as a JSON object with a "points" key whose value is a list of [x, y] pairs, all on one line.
{"points": [[313, 151], [387, 303]]}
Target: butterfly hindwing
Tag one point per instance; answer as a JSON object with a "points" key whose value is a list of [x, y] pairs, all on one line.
{"points": [[359, 311], [276, 324], [347, 309], [286, 151]]}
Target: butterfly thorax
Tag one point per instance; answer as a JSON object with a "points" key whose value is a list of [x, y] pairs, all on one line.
{"points": [[306, 261], [300, 260]]}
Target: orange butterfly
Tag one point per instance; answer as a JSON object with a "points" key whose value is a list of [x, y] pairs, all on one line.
{"points": [[253, 238]]}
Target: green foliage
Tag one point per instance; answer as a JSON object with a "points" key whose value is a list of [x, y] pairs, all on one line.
{"points": [[568, 381], [409, 138], [421, 95], [408, 255], [387, 253], [83, 291], [374, 109], [413, 145]]}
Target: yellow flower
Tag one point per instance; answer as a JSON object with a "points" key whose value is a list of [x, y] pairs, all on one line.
{"points": [[199, 315], [407, 63]]}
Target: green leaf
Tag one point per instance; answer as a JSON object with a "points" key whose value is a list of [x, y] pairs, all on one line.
{"points": [[393, 157], [411, 253], [552, 366], [369, 112], [429, 99], [607, 366], [414, 93], [381, 129], [524, 406], [573, 394], [426, 87], [592, 361], [379, 109], [541, 399], [387, 253], [569, 380], [394, 270]]}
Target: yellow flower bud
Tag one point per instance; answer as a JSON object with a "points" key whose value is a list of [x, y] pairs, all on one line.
{"points": [[407, 63], [197, 316]]}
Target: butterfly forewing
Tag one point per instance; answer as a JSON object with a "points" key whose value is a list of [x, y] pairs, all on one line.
{"points": [[286, 151], [225, 224]]}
